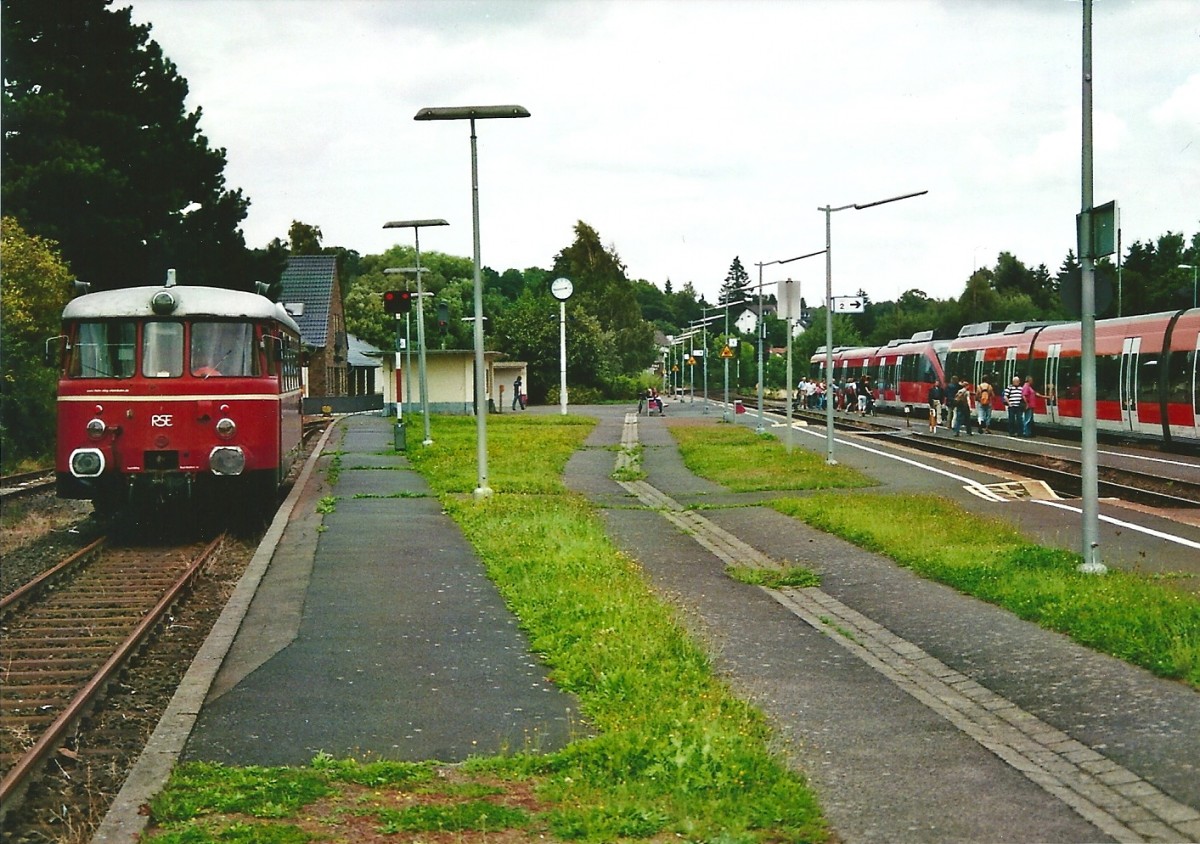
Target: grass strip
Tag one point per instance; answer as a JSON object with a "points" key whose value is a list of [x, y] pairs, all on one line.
{"points": [[674, 751], [1123, 614], [720, 453]]}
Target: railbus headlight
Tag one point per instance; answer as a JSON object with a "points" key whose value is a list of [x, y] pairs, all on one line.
{"points": [[226, 428], [87, 462], [95, 429], [227, 460]]}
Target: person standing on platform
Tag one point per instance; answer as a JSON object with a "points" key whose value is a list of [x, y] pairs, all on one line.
{"points": [[1012, 401], [983, 400], [1028, 394], [962, 409], [935, 398]]}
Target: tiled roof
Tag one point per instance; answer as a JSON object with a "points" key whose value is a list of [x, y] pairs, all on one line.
{"points": [[362, 353], [308, 280]]}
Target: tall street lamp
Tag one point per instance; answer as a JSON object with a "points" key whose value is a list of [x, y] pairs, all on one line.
{"points": [[416, 226], [473, 113], [762, 334], [1192, 267], [829, 398]]}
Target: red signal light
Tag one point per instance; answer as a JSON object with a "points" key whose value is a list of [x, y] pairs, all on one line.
{"points": [[397, 302]]}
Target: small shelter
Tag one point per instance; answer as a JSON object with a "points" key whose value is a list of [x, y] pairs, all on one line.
{"points": [[450, 377]]}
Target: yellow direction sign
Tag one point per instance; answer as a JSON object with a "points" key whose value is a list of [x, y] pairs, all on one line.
{"points": [[674, 367], [691, 361], [726, 352]]}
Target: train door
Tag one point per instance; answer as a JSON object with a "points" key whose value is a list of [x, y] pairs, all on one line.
{"points": [[977, 368], [1130, 352], [1050, 382], [1010, 364]]}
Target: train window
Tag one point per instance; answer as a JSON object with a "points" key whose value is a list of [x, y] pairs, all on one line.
{"points": [[162, 349], [960, 364], [223, 349], [1108, 377], [1180, 367], [1147, 385], [1070, 379], [103, 350]]}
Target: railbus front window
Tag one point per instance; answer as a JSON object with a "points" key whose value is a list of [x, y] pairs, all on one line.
{"points": [[162, 349], [103, 350], [223, 349]]}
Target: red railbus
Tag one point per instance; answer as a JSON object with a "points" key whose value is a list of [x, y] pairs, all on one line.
{"points": [[177, 390]]}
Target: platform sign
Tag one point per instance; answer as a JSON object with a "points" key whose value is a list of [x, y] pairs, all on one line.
{"points": [[1106, 221], [790, 303], [849, 305]]}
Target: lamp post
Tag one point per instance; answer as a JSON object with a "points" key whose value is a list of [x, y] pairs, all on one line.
{"points": [[703, 323], [416, 226], [829, 398], [726, 415], [1193, 268], [473, 113], [762, 338]]}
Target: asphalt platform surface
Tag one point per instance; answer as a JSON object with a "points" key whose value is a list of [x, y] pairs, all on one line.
{"points": [[918, 714]]}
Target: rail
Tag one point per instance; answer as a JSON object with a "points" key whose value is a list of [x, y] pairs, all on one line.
{"points": [[16, 780]]}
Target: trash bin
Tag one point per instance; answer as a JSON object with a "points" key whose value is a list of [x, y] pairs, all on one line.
{"points": [[738, 407], [401, 436]]}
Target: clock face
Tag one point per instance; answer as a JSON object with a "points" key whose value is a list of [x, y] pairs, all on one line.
{"points": [[561, 288]]}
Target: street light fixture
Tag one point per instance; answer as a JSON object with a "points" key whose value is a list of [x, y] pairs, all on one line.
{"points": [[1193, 268], [416, 226], [829, 398], [473, 113]]}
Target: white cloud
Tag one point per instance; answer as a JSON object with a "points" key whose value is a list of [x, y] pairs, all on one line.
{"points": [[690, 132]]}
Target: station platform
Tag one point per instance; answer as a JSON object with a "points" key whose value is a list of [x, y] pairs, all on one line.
{"points": [[917, 713]]}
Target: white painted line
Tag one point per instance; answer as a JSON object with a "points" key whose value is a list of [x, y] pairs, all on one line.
{"points": [[973, 486], [1179, 540]]}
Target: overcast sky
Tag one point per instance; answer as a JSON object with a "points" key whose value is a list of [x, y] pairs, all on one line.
{"points": [[689, 132]]}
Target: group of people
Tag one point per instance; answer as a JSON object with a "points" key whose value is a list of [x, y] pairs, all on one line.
{"points": [[953, 404], [851, 395]]}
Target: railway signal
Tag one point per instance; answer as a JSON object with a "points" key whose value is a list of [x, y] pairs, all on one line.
{"points": [[397, 302]]}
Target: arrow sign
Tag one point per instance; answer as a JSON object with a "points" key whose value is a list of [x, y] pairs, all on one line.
{"points": [[848, 305]]}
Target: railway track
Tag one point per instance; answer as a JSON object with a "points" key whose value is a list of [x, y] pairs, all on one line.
{"points": [[25, 484], [70, 633], [1062, 474]]}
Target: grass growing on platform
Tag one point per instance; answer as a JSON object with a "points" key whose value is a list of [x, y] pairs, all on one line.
{"points": [[743, 461], [675, 754], [1127, 615], [675, 750]]}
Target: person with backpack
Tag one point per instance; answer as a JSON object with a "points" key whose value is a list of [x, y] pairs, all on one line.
{"points": [[983, 400], [962, 409]]}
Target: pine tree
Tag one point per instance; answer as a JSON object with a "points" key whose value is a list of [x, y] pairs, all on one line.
{"points": [[737, 280], [101, 155]]}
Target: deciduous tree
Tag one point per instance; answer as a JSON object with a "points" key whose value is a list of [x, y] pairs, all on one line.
{"points": [[35, 284]]}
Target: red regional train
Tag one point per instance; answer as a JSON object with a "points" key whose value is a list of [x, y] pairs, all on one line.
{"points": [[1147, 370], [177, 390]]}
